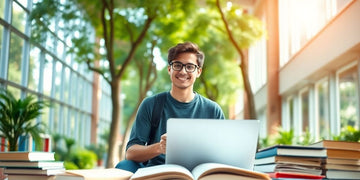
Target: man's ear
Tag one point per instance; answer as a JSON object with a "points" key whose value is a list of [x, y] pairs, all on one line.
{"points": [[169, 69], [199, 72]]}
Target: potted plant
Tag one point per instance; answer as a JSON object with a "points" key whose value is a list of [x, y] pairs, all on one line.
{"points": [[17, 118]]}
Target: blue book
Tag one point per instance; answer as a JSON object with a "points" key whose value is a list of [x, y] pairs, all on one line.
{"points": [[23, 143], [290, 150]]}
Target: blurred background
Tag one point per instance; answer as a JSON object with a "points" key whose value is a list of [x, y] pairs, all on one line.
{"points": [[294, 65]]}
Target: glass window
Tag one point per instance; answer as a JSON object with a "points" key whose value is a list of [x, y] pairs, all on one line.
{"points": [[16, 46], [45, 116], [23, 2], [297, 27], [2, 9], [74, 89], [1, 38], [15, 92], [291, 113], [60, 49], [68, 59], [49, 44], [58, 75], [323, 109], [19, 17], [88, 94], [72, 124], [48, 68], [34, 68], [56, 117], [348, 98], [305, 111], [66, 85]]}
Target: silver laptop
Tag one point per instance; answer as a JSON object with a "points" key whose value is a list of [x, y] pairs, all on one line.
{"points": [[191, 142]]}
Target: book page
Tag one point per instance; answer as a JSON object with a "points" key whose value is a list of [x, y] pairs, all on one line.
{"points": [[111, 173], [164, 170], [205, 169]]}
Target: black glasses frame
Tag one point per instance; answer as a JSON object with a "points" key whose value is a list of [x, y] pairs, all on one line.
{"points": [[184, 65]]}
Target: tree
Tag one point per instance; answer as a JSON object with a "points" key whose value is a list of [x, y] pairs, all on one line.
{"points": [[121, 25], [242, 31]]}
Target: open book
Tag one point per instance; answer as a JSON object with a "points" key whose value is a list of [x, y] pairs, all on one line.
{"points": [[206, 171]]}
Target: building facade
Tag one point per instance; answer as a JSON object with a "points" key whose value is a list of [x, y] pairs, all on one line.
{"points": [[47, 72], [305, 73]]}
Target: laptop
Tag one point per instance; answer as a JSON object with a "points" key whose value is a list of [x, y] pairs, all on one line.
{"points": [[191, 142]]}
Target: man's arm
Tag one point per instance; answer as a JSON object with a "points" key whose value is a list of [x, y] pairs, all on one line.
{"points": [[141, 153]]}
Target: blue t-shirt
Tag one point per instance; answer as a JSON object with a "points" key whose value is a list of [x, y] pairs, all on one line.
{"points": [[199, 107]]}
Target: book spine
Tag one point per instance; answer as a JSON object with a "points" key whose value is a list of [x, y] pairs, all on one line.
{"points": [[3, 144], [266, 153], [47, 144], [23, 143]]}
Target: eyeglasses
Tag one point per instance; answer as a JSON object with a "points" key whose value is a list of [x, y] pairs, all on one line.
{"points": [[178, 66]]}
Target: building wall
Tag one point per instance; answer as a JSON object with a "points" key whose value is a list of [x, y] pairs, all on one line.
{"points": [[312, 66]]}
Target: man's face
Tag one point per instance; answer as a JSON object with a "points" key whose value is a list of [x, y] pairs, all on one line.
{"points": [[183, 79]]}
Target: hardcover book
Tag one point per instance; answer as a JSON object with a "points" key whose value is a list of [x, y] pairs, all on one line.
{"points": [[95, 174], [337, 145], [206, 171], [309, 161], [29, 177], [32, 164], [27, 156], [288, 150], [289, 168], [355, 162], [295, 175], [32, 171], [341, 174]]}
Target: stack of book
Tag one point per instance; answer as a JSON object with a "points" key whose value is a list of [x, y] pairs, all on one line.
{"points": [[342, 160], [324, 159], [285, 161], [33, 165]]}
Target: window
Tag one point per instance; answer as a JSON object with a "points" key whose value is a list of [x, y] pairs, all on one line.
{"points": [[19, 17], [15, 56], [34, 68], [47, 80], [348, 97], [291, 109], [297, 26], [323, 109], [2, 9], [305, 111], [58, 80], [258, 65]]}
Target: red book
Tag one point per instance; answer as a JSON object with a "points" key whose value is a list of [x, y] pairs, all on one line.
{"points": [[294, 175], [47, 144], [3, 144]]}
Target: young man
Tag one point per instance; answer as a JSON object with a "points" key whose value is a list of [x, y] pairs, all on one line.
{"points": [[185, 65]]}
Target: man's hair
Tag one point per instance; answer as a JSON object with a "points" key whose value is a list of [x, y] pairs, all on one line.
{"points": [[187, 47]]}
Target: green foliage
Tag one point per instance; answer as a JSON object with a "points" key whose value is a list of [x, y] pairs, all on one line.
{"points": [[98, 149], [73, 157], [17, 118], [70, 165], [83, 159], [348, 134], [305, 139], [285, 137]]}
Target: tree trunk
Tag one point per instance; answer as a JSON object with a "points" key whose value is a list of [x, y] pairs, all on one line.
{"points": [[243, 65], [249, 95], [115, 124]]}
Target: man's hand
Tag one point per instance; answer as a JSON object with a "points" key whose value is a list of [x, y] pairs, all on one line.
{"points": [[163, 144]]}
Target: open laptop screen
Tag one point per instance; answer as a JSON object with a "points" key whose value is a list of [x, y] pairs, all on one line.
{"points": [[191, 142]]}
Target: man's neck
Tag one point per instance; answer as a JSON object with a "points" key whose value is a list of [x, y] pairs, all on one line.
{"points": [[182, 95]]}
